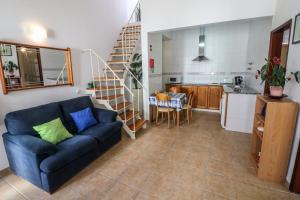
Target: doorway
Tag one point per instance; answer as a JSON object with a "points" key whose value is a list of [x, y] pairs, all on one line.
{"points": [[279, 46], [30, 66]]}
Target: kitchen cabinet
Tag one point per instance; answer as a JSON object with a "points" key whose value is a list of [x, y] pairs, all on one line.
{"points": [[205, 96], [202, 94], [214, 96]]}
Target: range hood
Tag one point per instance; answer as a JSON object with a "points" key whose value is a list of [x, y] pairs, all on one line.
{"points": [[201, 47]]}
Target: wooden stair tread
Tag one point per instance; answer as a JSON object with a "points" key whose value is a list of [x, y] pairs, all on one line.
{"points": [[104, 79], [121, 47], [127, 39], [115, 70], [120, 54], [111, 97], [117, 62], [106, 88], [129, 115], [138, 125], [132, 26], [121, 106], [131, 33]]}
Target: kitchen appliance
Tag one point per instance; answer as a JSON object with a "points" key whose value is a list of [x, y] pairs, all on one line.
{"points": [[238, 80], [201, 47], [175, 79]]}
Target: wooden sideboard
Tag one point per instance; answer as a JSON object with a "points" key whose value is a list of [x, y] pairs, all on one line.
{"points": [[206, 96], [271, 145]]}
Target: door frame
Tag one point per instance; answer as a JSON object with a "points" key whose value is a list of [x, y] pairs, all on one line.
{"points": [[275, 46]]}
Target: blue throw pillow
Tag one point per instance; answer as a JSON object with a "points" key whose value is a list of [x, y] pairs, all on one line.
{"points": [[83, 119]]}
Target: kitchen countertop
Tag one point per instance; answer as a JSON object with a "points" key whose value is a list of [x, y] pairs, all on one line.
{"points": [[228, 87], [195, 84], [244, 90]]}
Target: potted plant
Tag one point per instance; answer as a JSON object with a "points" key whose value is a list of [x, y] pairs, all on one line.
{"points": [[137, 71], [277, 77], [10, 67]]}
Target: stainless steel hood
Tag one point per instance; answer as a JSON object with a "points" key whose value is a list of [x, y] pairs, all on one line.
{"points": [[201, 47]]}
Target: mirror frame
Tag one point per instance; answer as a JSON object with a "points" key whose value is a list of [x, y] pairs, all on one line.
{"points": [[70, 81]]}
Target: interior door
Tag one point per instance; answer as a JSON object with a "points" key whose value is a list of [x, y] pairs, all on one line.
{"points": [[279, 46]]}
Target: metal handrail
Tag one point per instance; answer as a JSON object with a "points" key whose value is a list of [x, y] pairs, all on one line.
{"points": [[61, 74], [107, 67], [124, 44]]}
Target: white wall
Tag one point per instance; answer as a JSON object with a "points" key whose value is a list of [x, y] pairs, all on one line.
{"points": [[76, 24], [287, 9], [155, 77], [168, 14], [230, 46]]}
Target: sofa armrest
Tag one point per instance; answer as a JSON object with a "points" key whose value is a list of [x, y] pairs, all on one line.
{"points": [[31, 143], [105, 116]]}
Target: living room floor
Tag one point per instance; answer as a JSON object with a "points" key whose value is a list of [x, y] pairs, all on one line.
{"points": [[196, 161]]}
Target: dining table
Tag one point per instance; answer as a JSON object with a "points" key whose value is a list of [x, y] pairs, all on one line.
{"points": [[177, 101]]}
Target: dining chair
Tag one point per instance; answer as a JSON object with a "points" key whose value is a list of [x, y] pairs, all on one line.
{"points": [[162, 97], [188, 107], [174, 89]]}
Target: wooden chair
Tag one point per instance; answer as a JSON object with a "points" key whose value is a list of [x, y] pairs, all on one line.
{"points": [[174, 89], [164, 98], [188, 107]]}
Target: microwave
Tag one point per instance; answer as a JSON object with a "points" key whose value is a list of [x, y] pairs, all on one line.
{"points": [[175, 79]]}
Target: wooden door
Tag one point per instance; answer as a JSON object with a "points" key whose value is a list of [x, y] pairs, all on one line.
{"points": [[295, 182], [277, 48], [214, 97], [202, 97]]}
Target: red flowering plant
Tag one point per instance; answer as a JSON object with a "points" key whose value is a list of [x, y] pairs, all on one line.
{"points": [[278, 75]]}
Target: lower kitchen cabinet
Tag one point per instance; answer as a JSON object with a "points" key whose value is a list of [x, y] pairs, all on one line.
{"points": [[202, 94], [214, 97], [205, 96]]}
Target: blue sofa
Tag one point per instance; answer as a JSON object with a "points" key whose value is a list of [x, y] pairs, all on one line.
{"points": [[46, 165]]}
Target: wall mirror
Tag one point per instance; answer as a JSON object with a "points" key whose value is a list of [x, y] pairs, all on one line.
{"points": [[27, 67]]}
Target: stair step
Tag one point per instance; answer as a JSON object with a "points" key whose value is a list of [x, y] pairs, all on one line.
{"points": [[127, 40], [132, 26], [129, 115], [114, 70], [117, 62], [138, 125], [105, 88], [131, 33], [111, 97], [125, 47], [120, 54], [121, 106], [104, 79]]}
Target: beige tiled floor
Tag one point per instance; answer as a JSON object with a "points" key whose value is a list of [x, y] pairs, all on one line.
{"points": [[196, 161]]}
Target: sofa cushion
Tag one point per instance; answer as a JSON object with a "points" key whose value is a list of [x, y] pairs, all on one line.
{"points": [[68, 151], [101, 132], [53, 131], [83, 119], [21, 122], [74, 105]]}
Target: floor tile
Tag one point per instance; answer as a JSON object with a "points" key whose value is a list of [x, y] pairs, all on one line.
{"points": [[9, 193]]}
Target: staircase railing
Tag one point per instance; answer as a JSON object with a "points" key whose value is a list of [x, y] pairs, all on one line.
{"points": [[61, 76], [130, 36], [102, 83]]}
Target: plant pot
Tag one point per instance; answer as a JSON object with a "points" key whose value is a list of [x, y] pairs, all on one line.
{"points": [[276, 91], [11, 72]]}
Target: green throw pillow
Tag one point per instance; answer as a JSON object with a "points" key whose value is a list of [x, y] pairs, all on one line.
{"points": [[53, 131]]}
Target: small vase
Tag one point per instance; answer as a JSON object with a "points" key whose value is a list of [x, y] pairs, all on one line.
{"points": [[276, 91]]}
